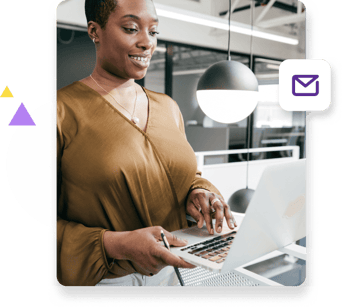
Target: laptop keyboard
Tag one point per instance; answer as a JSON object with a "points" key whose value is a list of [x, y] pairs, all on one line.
{"points": [[215, 250]]}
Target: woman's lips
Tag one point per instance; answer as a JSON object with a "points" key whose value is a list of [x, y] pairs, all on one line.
{"points": [[142, 62]]}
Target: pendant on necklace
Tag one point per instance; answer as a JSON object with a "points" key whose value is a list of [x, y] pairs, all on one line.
{"points": [[135, 120]]}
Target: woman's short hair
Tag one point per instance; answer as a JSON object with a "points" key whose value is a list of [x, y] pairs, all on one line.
{"points": [[99, 10]]}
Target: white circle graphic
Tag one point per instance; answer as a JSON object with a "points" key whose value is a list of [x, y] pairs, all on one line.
{"points": [[30, 166]]}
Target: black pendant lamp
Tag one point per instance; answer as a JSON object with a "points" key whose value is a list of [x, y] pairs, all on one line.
{"points": [[239, 201], [227, 92]]}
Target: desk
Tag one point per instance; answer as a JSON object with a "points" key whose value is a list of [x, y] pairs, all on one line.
{"points": [[240, 276]]}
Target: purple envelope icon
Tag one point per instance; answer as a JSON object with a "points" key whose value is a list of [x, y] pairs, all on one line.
{"points": [[301, 88]]}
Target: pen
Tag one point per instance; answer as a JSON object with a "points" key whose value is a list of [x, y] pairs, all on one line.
{"points": [[167, 245]]}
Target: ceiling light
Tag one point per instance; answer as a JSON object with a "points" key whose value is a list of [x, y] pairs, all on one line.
{"points": [[220, 23]]}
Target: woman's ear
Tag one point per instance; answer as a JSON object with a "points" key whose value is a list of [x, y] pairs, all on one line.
{"points": [[93, 28]]}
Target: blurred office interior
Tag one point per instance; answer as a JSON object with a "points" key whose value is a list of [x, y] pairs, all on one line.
{"points": [[176, 68], [185, 50]]}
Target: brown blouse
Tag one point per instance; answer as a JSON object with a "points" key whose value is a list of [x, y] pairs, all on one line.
{"points": [[113, 176]]}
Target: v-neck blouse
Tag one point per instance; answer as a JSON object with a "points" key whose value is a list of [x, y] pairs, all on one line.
{"points": [[114, 176], [88, 88]]}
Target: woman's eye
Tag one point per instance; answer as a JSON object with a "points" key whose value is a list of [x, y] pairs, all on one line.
{"points": [[130, 30], [154, 33]]}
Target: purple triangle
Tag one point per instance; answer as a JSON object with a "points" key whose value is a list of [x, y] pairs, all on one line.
{"points": [[22, 118]]}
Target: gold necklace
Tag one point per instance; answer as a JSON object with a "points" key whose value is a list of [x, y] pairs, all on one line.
{"points": [[134, 119]]}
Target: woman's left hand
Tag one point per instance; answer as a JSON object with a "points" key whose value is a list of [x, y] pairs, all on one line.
{"points": [[202, 203]]}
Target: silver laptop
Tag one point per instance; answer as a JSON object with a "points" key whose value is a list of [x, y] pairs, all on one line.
{"points": [[274, 218]]}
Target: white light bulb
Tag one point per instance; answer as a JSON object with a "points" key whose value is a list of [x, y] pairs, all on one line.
{"points": [[227, 106]]}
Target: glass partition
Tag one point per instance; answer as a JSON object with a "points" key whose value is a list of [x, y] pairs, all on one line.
{"points": [[155, 77]]}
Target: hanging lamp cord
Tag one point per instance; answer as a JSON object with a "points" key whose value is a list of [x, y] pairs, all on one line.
{"points": [[251, 39], [249, 117], [230, 13]]}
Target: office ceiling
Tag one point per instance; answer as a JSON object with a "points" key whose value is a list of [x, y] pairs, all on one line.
{"points": [[280, 16], [283, 16], [270, 14]]}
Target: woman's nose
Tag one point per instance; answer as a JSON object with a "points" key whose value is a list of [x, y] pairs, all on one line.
{"points": [[145, 41]]}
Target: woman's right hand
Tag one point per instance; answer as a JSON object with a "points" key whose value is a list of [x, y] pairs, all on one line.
{"points": [[145, 248]]}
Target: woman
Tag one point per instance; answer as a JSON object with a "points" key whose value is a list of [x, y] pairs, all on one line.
{"points": [[125, 169]]}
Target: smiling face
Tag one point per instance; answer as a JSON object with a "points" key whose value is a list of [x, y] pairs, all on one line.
{"points": [[127, 42]]}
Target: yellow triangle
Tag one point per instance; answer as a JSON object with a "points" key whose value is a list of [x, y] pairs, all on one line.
{"points": [[6, 93]]}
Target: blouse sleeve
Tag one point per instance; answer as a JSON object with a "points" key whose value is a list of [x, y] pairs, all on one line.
{"points": [[199, 182], [81, 258]]}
